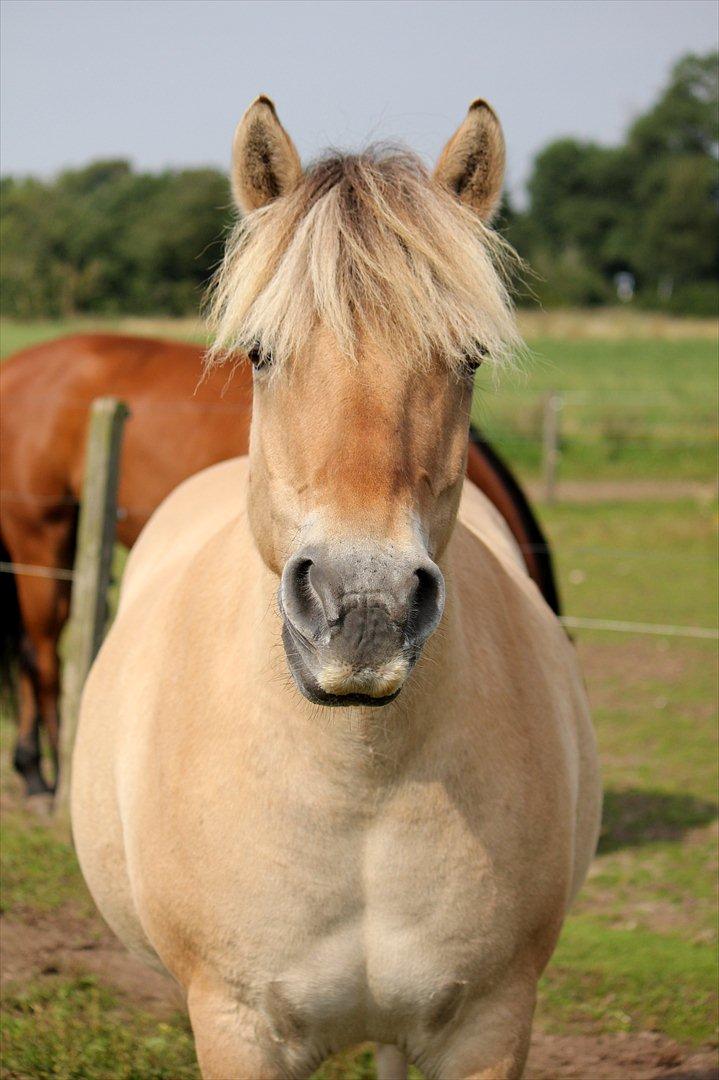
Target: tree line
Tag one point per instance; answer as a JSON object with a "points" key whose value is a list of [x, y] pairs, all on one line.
{"points": [[638, 220]]}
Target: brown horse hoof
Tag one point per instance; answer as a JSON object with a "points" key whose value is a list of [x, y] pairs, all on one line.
{"points": [[41, 804]]}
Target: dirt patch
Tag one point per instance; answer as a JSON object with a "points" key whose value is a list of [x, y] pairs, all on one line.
{"points": [[610, 666], [67, 946], [618, 1057], [610, 324], [590, 491], [627, 669]]}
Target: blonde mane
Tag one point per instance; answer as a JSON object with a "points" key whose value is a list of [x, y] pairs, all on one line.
{"points": [[370, 247]]}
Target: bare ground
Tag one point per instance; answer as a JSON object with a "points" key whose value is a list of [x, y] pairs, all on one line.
{"points": [[590, 491], [65, 944]]}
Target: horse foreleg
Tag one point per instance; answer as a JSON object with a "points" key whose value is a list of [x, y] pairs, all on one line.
{"points": [[44, 606], [26, 756], [226, 1037], [49, 695], [491, 1041], [391, 1063]]}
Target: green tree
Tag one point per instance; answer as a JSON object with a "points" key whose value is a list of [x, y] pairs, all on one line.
{"points": [[684, 119], [107, 239], [648, 206]]}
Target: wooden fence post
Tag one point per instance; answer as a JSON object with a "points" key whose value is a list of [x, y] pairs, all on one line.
{"points": [[93, 562], [553, 403]]}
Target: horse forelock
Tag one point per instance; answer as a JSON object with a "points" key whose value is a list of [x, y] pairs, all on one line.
{"points": [[371, 248]]}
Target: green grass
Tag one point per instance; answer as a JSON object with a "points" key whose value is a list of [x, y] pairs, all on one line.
{"points": [[639, 950], [76, 1028], [632, 408], [39, 871], [639, 561], [629, 980]]}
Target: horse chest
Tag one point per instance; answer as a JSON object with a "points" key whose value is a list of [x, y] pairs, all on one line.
{"points": [[382, 925]]}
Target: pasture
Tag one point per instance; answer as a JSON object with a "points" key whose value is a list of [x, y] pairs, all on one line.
{"points": [[631, 990]]}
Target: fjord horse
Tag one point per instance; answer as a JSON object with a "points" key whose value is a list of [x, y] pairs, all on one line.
{"points": [[334, 768], [179, 424]]}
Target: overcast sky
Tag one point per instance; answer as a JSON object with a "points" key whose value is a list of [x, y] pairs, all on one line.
{"points": [[163, 82]]}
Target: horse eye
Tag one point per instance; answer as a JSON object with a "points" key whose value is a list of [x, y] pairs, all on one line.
{"points": [[473, 360], [258, 357]]}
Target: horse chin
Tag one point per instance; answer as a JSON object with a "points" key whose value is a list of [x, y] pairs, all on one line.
{"points": [[309, 687]]}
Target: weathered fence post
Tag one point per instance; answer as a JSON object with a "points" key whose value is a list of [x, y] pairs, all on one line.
{"points": [[553, 403], [93, 562]]}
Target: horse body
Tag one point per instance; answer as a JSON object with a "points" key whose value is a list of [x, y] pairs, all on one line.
{"points": [[179, 423], [316, 880], [334, 768]]}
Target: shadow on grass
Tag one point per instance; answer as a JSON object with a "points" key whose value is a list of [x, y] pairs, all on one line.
{"points": [[633, 817]]}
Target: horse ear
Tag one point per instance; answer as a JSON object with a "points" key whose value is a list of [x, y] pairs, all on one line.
{"points": [[472, 163], [265, 163]]}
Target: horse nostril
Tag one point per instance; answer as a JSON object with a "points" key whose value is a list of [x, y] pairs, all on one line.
{"points": [[426, 604], [299, 600]]}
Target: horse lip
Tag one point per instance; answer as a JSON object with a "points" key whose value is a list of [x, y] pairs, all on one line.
{"points": [[311, 689]]}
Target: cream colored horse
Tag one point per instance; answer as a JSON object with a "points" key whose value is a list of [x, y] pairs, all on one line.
{"points": [[397, 869]]}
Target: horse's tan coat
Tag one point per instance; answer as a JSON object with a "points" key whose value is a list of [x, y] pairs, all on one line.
{"points": [[316, 877]]}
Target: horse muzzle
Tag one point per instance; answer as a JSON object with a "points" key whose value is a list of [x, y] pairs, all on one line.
{"points": [[355, 621]]}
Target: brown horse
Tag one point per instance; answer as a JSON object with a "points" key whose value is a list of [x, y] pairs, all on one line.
{"points": [[179, 425]]}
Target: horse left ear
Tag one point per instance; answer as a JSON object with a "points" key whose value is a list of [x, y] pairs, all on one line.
{"points": [[265, 163], [472, 163]]}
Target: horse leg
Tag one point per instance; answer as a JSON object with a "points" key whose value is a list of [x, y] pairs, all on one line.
{"points": [[391, 1063], [226, 1037], [492, 1041], [48, 664], [39, 678], [44, 606], [26, 756]]}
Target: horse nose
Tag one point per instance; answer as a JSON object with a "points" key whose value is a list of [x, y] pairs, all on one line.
{"points": [[367, 604]]}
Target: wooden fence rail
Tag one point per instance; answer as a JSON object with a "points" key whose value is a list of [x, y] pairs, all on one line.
{"points": [[553, 403]]}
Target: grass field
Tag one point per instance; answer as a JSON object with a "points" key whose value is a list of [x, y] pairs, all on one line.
{"points": [[636, 968]]}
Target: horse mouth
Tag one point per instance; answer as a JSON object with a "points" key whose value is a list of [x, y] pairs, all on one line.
{"points": [[309, 686]]}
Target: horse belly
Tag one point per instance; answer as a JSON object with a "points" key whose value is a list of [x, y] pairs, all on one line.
{"points": [[97, 827]]}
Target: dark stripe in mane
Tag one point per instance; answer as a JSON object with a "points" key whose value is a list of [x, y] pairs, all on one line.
{"points": [[535, 539]]}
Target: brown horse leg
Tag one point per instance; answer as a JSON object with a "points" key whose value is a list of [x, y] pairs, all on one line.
{"points": [[44, 606], [48, 664], [26, 757]]}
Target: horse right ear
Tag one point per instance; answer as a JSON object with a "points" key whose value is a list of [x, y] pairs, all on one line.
{"points": [[472, 163], [265, 163]]}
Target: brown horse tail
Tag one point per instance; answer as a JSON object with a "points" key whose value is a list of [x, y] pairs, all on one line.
{"points": [[11, 632], [534, 539]]}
